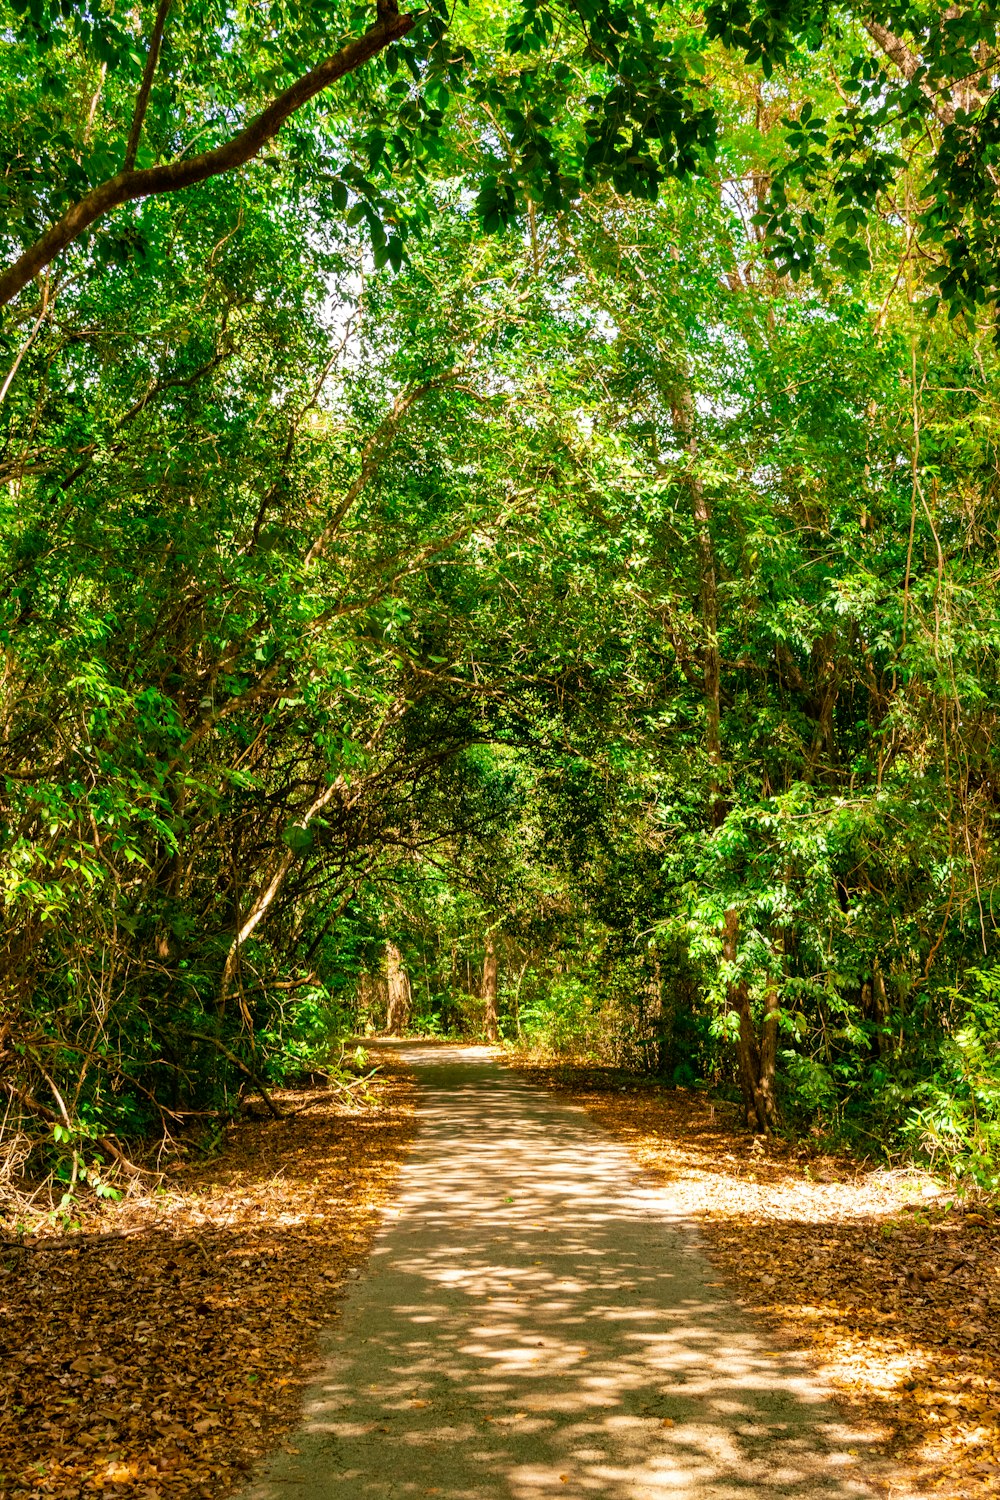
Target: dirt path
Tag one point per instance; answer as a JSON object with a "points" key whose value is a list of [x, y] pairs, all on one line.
{"points": [[536, 1321], [887, 1278]]}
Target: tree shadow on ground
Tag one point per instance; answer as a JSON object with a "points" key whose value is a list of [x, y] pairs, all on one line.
{"points": [[895, 1295], [533, 1323]]}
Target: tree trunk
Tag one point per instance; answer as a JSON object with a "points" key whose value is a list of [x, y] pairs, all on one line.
{"points": [[769, 1055], [661, 1016], [372, 1000], [756, 1059], [682, 412], [748, 1051], [398, 982], [516, 1004], [491, 1023], [260, 907]]}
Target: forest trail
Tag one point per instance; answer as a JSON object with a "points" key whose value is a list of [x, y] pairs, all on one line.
{"points": [[537, 1321]]}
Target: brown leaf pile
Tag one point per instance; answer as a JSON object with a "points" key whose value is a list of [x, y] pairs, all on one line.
{"points": [[894, 1289], [162, 1362]]}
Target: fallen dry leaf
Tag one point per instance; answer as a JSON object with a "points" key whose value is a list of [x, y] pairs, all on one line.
{"points": [[162, 1359]]}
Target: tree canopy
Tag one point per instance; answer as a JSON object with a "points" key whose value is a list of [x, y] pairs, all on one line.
{"points": [[106, 108], [515, 483]]}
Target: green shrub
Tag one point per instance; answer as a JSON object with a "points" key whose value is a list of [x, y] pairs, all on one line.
{"points": [[957, 1123]]}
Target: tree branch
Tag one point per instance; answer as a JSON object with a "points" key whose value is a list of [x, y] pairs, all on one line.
{"points": [[909, 65], [128, 185], [145, 88], [373, 453]]}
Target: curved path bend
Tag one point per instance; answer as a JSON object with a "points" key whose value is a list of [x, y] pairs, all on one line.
{"points": [[536, 1321]]}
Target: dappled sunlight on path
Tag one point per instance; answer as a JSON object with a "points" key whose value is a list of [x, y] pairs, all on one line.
{"points": [[535, 1321], [891, 1287]]}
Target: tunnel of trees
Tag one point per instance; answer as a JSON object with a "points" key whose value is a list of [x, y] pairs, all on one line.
{"points": [[498, 535]]}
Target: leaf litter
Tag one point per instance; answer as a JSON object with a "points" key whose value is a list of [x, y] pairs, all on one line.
{"points": [[892, 1287], [161, 1351]]}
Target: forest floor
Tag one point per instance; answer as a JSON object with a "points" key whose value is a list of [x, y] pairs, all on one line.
{"points": [[892, 1287], [163, 1360]]}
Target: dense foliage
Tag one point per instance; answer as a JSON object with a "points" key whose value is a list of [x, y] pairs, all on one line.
{"points": [[463, 528]]}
